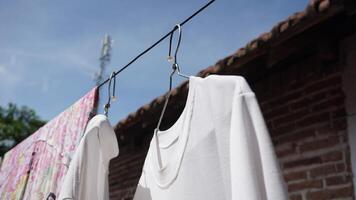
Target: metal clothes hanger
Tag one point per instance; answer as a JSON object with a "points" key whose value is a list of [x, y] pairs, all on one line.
{"points": [[175, 65], [110, 97], [175, 68]]}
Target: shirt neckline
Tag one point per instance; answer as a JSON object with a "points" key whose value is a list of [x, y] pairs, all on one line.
{"points": [[165, 175]]}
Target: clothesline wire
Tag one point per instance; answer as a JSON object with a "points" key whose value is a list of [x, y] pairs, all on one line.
{"points": [[156, 43]]}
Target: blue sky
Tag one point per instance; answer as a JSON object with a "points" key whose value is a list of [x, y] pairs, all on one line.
{"points": [[49, 49]]}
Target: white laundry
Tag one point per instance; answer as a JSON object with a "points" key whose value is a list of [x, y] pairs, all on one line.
{"points": [[218, 149], [87, 176]]}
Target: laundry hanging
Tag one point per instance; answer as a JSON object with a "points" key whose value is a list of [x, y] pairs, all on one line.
{"points": [[35, 168], [219, 148], [87, 177], [15, 169]]}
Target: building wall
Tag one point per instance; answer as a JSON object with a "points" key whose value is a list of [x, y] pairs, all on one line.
{"points": [[303, 104], [125, 172], [349, 77], [305, 113]]}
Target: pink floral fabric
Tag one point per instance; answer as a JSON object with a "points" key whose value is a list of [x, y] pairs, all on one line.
{"points": [[15, 169], [35, 168]]}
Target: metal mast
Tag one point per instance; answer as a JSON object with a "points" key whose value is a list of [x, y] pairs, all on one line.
{"points": [[104, 58]]}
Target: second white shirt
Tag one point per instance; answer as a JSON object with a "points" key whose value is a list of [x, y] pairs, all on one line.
{"points": [[87, 176], [219, 148]]}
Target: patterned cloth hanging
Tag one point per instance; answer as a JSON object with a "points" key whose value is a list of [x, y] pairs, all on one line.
{"points": [[35, 168], [15, 169]]}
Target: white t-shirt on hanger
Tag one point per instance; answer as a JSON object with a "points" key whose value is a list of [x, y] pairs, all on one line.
{"points": [[87, 176], [218, 149]]}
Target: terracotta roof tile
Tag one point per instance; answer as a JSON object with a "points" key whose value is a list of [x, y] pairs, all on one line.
{"points": [[230, 60], [265, 36], [241, 52], [141, 110], [160, 99], [174, 92], [324, 5], [284, 26]]}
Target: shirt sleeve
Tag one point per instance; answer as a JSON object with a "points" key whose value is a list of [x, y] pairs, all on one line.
{"points": [[255, 173]]}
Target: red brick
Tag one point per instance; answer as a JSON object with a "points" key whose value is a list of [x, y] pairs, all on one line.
{"points": [[290, 117], [314, 119], [339, 124], [336, 91], [283, 130], [328, 104], [324, 127], [332, 156], [328, 82], [336, 180], [318, 96], [340, 167], [319, 144], [285, 152], [312, 184], [293, 176], [301, 103], [283, 99], [296, 197], [322, 171], [302, 162], [297, 136], [309, 100], [327, 194], [275, 112]]}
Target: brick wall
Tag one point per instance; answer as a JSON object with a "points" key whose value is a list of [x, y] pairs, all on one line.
{"points": [[125, 172], [304, 109]]}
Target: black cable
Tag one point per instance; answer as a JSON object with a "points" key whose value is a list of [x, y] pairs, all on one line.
{"points": [[160, 40]]}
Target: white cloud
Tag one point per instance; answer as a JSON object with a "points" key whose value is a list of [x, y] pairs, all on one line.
{"points": [[8, 78], [67, 57]]}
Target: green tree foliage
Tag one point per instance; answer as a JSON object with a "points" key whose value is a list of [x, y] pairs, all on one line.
{"points": [[16, 124]]}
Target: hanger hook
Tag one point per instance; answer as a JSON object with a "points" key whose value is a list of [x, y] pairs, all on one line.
{"points": [[175, 65], [170, 58], [110, 97]]}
